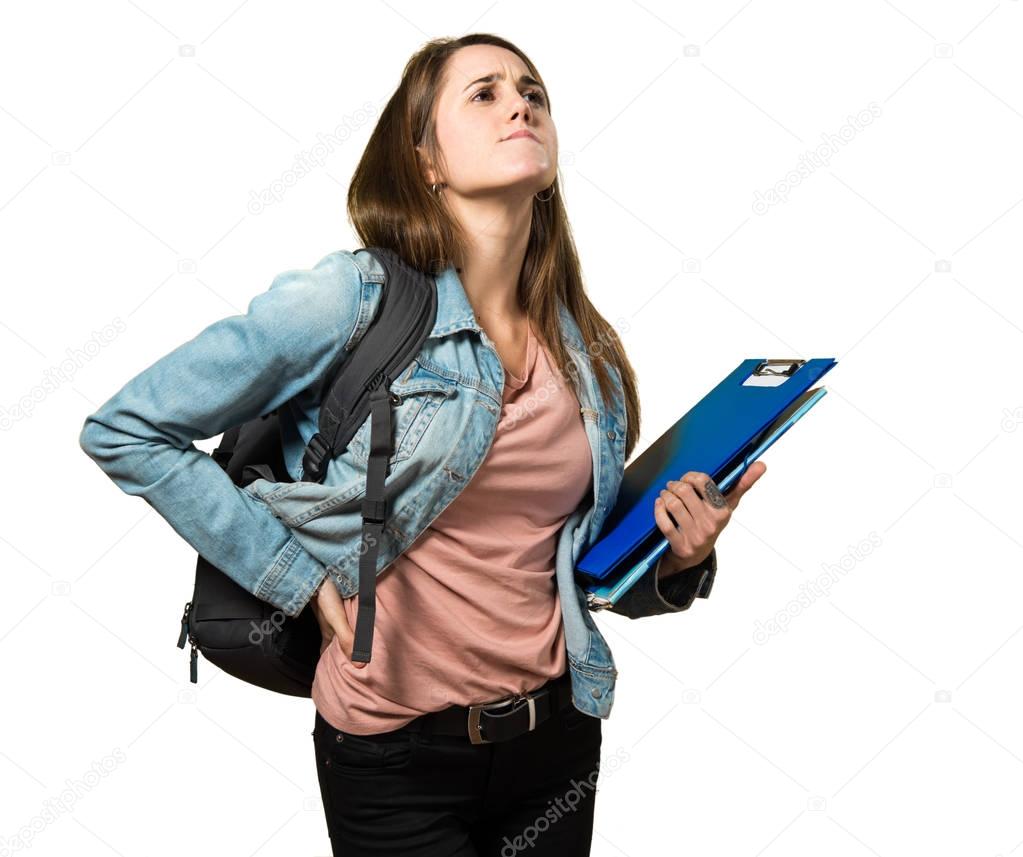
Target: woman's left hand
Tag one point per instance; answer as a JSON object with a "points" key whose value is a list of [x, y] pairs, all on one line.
{"points": [[700, 511]]}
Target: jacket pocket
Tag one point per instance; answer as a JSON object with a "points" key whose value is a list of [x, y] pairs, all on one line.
{"points": [[418, 395]]}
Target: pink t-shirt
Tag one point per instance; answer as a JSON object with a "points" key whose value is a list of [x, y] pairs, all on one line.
{"points": [[470, 612]]}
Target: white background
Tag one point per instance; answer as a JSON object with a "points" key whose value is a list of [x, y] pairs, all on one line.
{"points": [[883, 719]]}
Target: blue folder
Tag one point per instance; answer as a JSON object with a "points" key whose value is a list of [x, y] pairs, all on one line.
{"points": [[721, 435]]}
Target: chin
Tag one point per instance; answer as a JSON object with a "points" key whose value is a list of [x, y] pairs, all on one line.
{"points": [[530, 175], [524, 183]]}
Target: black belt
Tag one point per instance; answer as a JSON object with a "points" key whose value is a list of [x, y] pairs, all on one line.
{"points": [[501, 720]]}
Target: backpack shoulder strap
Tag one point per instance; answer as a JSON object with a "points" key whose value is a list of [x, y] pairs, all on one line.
{"points": [[402, 319], [406, 314], [230, 440]]}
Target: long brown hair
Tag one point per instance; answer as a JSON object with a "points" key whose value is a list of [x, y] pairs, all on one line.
{"points": [[390, 205]]}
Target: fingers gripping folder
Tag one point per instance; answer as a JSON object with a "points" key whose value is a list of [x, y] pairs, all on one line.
{"points": [[721, 435]]}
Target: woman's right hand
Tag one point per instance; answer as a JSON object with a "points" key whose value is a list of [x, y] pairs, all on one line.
{"points": [[329, 610]]}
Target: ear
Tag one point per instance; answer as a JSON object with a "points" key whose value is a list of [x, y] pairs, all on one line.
{"points": [[425, 167]]}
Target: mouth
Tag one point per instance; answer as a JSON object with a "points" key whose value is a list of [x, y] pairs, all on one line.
{"points": [[522, 135]]}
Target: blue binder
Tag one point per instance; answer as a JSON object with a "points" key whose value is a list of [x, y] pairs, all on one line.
{"points": [[721, 435]]}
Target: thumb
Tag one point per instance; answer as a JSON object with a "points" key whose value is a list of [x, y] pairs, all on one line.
{"points": [[746, 481], [332, 609]]}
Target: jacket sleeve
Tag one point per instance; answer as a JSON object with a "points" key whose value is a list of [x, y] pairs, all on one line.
{"points": [[649, 596], [234, 370]]}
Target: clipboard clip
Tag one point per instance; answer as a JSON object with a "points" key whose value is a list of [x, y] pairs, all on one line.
{"points": [[764, 368]]}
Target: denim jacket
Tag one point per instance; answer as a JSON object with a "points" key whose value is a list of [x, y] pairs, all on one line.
{"points": [[280, 539]]}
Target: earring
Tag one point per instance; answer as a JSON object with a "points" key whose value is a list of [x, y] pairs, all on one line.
{"points": [[553, 190], [436, 188]]}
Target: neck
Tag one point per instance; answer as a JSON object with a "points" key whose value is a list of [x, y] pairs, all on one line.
{"points": [[498, 233]]}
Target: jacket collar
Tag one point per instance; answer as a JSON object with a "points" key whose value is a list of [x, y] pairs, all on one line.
{"points": [[454, 312]]}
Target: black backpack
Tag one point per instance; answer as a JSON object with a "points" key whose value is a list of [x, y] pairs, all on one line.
{"points": [[244, 635]]}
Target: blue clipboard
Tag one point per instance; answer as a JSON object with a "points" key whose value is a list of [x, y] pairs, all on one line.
{"points": [[721, 435]]}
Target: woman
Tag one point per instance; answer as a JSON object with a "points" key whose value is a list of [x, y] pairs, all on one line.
{"points": [[475, 729]]}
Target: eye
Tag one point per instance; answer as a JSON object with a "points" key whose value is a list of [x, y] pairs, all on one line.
{"points": [[536, 93]]}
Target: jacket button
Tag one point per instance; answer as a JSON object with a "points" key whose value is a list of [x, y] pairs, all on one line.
{"points": [[611, 435], [595, 693]]}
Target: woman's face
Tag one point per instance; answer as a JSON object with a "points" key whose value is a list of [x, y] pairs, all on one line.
{"points": [[475, 117]]}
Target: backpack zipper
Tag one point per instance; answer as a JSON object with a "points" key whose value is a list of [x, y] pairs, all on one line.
{"points": [[193, 661]]}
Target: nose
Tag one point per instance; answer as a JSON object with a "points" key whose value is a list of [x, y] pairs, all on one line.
{"points": [[523, 108]]}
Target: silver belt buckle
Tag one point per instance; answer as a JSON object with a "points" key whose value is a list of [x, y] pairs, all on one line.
{"points": [[475, 733]]}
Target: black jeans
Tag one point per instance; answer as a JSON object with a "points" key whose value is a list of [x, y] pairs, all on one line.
{"points": [[417, 794]]}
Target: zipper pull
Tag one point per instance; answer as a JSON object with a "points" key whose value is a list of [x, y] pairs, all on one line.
{"points": [[193, 666], [184, 627]]}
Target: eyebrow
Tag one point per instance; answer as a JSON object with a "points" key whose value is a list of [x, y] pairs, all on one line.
{"points": [[490, 78]]}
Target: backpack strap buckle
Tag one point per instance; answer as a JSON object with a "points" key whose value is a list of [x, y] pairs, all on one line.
{"points": [[316, 452], [374, 511]]}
